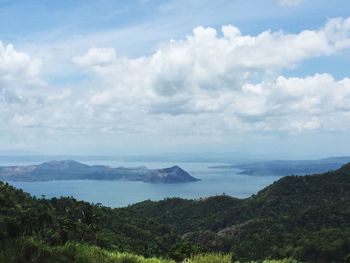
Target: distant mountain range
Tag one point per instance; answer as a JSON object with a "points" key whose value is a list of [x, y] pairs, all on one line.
{"points": [[72, 170], [287, 167]]}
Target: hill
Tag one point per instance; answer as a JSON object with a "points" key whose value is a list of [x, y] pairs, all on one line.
{"points": [[59, 220], [72, 170], [303, 217]]}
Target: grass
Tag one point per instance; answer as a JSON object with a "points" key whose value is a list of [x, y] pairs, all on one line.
{"points": [[222, 258], [211, 258], [89, 254], [35, 251]]}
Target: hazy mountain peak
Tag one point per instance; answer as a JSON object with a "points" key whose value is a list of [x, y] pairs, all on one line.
{"points": [[73, 170]]}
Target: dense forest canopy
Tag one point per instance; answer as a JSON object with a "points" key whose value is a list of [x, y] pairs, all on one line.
{"points": [[303, 217]]}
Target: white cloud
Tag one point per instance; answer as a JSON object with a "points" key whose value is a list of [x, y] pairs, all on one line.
{"points": [[297, 103], [210, 83], [205, 60], [212, 75], [17, 67], [96, 57], [289, 2]]}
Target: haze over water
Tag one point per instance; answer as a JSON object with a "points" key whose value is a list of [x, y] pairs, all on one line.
{"points": [[123, 193]]}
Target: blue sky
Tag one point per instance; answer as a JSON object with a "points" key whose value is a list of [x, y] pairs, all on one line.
{"points": [[151, 76]]}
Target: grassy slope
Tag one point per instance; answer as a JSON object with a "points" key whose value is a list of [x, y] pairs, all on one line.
{"points": [[32, 251]]}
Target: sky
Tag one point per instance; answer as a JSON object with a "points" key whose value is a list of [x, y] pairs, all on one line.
{"points": [[267, 78]]}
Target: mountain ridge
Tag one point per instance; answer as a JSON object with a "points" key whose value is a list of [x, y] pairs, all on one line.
{"points": [[73, 170]]}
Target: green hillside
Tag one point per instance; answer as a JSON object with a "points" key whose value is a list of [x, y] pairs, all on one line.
{"points": [[305, 217], [57, 221], [301, 217]]}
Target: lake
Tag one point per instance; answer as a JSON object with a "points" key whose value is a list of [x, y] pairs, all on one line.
{"points": [[123, 193]]}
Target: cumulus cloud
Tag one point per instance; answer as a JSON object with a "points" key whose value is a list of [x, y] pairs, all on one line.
{"points": [[208, 83], [20, 82], [226, 74], [17, 66], [24, 96], [297, 103], [206, 60]]}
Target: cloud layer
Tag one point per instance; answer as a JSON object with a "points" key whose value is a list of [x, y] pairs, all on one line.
{"points": [[210, 83], [228, 76]]}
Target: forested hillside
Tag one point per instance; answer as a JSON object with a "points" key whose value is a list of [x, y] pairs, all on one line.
{"points": [[57, 221], [301, 217], [305, 217]]}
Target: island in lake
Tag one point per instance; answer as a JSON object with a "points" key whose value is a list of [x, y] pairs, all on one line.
{"points": [[72, 170]]}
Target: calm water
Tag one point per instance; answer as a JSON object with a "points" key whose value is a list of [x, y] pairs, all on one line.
{"points": [[122, 193]]}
